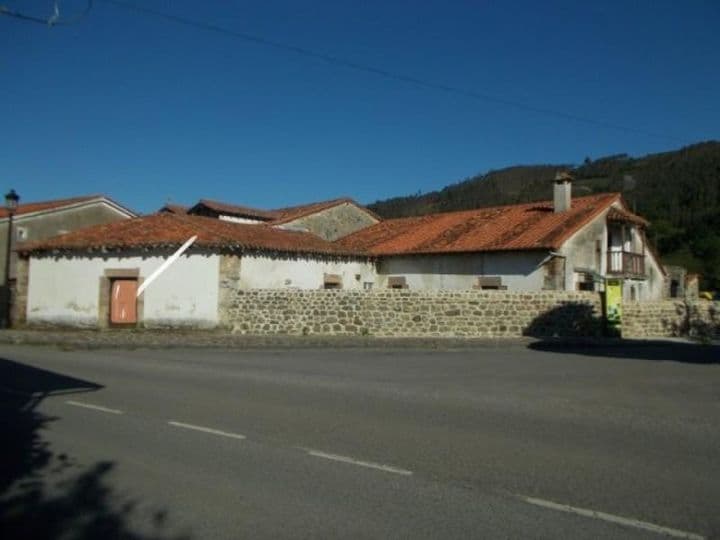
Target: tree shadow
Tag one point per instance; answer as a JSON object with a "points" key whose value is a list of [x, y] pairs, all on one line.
{"points": [[633, 349], [38, 498], [566, 320]]}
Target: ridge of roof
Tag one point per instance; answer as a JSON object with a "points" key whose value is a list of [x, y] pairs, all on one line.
{"points": [[236, 209], [546, 204], [291, 213], [52, 204], [174, 208], [163, 230], [279, 216], [524, 226], [622, 214]]}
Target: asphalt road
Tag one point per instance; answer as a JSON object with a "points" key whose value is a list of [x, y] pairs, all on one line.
{"points": [[501, 441]]}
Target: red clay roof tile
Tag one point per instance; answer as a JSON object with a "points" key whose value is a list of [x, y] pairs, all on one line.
{"points": [[235, 210], [502, 228], [620, 214], [279, 215], [174, 208], [168, 230]]}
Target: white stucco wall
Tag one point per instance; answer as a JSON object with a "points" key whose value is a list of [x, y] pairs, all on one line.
{"points": [[519, 270], [265, 272], [66, 290], [580, 253], [650, 289], [580, 250]]}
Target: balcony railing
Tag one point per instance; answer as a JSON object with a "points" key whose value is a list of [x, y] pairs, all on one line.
{"points": [[626, 263]]}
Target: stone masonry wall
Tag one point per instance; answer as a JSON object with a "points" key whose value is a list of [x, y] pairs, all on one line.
{"points": [[413, 313], [670, 318], [335, 222], [229, 279], [20, 293]]}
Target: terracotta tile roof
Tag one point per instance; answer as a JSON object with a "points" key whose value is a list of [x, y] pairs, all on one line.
{"points": [[235, 210], [501, 228], [175, 208], [29, 208], [620, 214], [277, 216], [285, 215], [166, 230]]}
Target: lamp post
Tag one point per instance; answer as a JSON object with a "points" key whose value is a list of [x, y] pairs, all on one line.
{"points": [[11, 204]]}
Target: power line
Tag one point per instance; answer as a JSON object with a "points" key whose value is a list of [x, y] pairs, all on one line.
{"points": [[53, 20], [366, 68]]}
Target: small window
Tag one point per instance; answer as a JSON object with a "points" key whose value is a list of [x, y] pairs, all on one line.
{"points": [[490, 283], [332, 281], [584, 281], [397, 282], [368, 285], [21, 234]]}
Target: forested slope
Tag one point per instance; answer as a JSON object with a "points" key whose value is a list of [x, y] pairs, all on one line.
{"points": [[678, 191]]}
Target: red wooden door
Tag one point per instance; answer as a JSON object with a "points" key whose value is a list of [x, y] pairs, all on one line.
{"points": [[123, 302]]}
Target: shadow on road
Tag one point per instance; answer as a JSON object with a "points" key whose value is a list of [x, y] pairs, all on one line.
{"points": [[658, 350], [569, 319], [41, 494]]}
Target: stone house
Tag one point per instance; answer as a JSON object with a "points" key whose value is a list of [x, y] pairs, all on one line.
{"points": [[330, 220], [91, 277], [570, 244], [45, 219]]}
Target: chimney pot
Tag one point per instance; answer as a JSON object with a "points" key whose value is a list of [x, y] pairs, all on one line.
{"points": [[562, 191]]}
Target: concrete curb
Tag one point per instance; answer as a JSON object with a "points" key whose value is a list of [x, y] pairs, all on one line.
{"points": [[92, 339], [156, 339]]}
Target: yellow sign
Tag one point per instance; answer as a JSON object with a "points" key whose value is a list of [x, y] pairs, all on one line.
{"points": [[613, 304]]}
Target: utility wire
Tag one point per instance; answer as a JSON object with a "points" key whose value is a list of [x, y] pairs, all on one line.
{"points": [[52, 20], [349, 64], [342, 62]]}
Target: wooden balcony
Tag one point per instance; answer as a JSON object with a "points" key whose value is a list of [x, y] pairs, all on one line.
{"points": [[625, 263]]}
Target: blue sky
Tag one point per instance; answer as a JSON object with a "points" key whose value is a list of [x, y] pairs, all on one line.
{"points": [[144, 109]]}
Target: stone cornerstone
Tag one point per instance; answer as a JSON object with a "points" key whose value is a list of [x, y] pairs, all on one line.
{"points": [[402, 313]]}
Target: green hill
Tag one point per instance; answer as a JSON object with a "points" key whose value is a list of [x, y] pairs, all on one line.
{"points": [[678, 191]]}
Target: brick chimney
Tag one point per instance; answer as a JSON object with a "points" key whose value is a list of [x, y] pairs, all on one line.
{"points": [[562, 192]]}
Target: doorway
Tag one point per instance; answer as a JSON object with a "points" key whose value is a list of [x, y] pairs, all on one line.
{"points": [[123, 301]]}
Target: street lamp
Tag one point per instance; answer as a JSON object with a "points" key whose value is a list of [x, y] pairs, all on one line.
{"points": [[11, 204]]}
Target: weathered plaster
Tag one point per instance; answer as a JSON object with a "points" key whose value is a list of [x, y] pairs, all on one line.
{"points": [[581, 253], [520, 271], [68, 290], [283, 272]]}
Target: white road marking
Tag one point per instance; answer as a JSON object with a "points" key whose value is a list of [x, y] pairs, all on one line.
{"points": [[94, 407], [206, 430], [628, 522], [351, 461]]}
